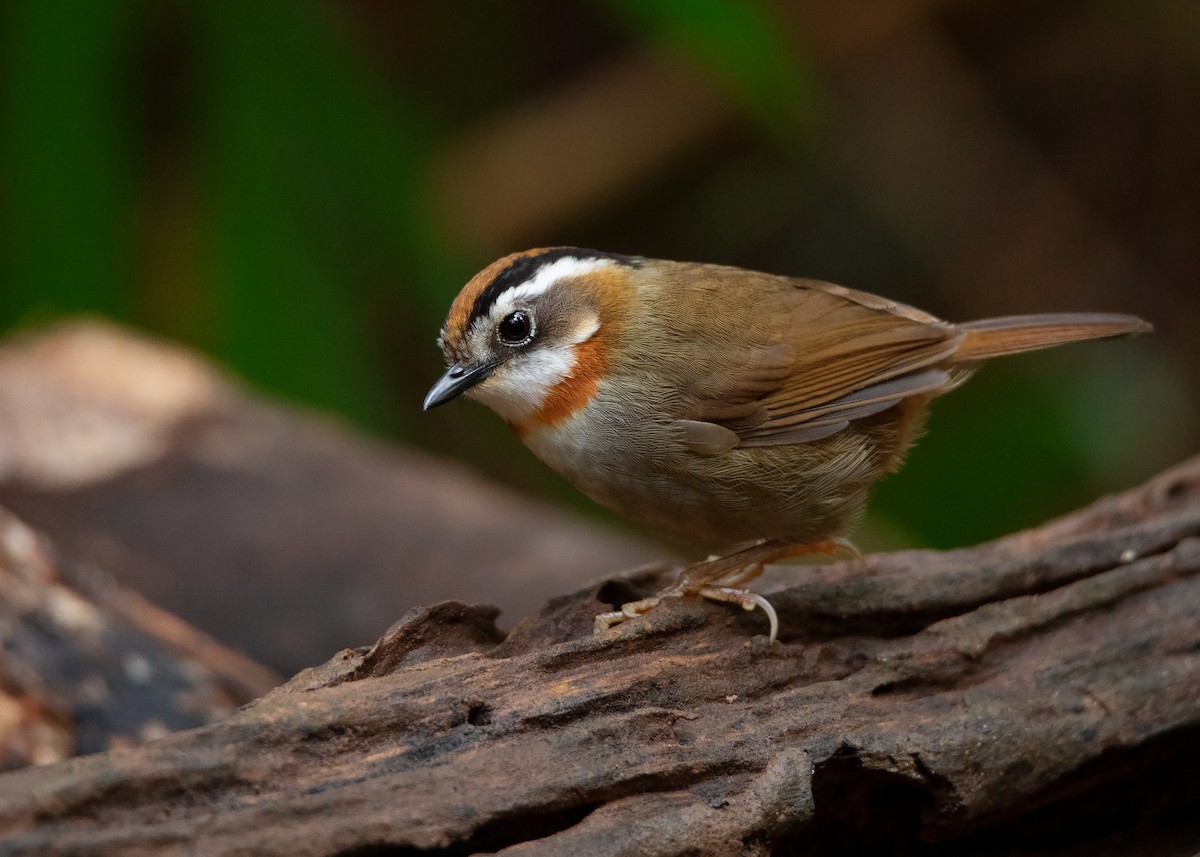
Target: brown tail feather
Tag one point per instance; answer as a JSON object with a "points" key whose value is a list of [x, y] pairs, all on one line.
{"points": [[995, 337]]}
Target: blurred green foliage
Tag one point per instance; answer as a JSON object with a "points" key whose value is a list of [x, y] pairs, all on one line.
{"points": [[741, 44], [248, 179], [68, 181]]}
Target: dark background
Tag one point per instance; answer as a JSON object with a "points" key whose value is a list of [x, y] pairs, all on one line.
{"points": [[298, 189]]}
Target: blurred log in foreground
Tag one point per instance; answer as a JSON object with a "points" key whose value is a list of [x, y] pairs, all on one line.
{"points": [[1040, 693], [86, 665]]}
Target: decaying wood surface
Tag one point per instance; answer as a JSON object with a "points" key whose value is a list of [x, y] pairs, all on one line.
{"points": [[1038, 694]]}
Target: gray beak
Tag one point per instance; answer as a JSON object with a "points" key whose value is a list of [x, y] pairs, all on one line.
{"points": [[457, 380]]}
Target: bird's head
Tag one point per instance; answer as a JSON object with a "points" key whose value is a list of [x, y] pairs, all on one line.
{"points": [[529, 336]]}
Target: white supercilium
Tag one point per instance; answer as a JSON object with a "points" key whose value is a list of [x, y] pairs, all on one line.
{"points": [[548, 275]]}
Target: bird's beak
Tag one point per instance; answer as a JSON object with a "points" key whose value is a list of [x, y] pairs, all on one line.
{"points": [[457, 380]]}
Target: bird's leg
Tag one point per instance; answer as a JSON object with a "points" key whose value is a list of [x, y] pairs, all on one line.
{"points": [[747, 600], [739, 575], [720, 579], [746, 564]]}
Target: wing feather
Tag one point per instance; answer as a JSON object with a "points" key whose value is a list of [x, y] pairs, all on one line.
{"points": [[835, 356]]}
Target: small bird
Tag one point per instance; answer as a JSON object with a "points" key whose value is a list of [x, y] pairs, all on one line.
{"points": [[728, 410]]}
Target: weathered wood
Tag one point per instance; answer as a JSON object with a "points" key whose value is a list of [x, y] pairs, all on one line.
{"points": [[1040, 692], [86, 665]]}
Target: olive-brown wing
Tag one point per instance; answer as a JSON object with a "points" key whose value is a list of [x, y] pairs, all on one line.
{"points": [[829, 356]]}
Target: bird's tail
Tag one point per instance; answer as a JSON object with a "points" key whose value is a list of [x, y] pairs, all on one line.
{"points": [[995, 337]]}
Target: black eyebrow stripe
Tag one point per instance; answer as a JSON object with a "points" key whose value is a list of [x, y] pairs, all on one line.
{"points": [[524, 268]]}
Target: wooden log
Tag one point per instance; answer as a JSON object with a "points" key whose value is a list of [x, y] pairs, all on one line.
{"points": [[86, 665], [1039, 693]]}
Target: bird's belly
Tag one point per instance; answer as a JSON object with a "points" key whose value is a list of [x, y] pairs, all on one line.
{"points": [[641, 469]]}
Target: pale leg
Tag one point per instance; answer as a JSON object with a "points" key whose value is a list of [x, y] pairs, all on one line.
{"points": [[720, 579]]}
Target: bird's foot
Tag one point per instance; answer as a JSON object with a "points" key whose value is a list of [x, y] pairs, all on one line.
{"points": [[629, 610], [747, 600], [744, 598], [722, 578]]}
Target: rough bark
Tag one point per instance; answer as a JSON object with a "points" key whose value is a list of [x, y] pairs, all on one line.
{"points": [[1038, 693]]}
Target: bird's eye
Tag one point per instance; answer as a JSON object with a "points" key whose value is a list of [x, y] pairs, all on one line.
{"points": [[516, 328]]}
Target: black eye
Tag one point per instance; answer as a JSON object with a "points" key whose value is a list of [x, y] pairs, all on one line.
{"points": [[516, 328]]}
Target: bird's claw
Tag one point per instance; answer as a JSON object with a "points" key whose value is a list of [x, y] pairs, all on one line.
{"points": [[744, 598], [747, 600], [721, 579], [845, 545], [629, 610]]}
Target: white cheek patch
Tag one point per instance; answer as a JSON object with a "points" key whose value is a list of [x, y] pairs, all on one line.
{"points": [[518, 388]]}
